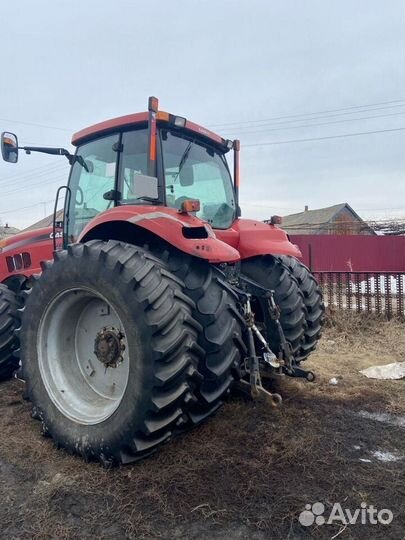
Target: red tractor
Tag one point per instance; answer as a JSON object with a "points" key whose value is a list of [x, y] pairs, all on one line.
{"points": [[133, 318]]}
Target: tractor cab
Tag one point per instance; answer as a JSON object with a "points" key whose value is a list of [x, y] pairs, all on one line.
{"points": [[151, 159], [114, 170], [157, 175]]}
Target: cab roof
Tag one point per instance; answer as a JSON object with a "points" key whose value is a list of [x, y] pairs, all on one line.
{"points": [[132, 120]]}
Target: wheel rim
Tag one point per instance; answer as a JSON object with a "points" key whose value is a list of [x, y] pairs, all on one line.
{"points": [[83, 355]]}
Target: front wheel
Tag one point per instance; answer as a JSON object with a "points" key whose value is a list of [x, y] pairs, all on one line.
{"points": [[107, 347]]}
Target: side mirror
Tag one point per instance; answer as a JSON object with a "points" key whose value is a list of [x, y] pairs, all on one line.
{"points": [[9, 147]]}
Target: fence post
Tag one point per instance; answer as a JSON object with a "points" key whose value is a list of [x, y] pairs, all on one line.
{"points": [[348, 291], [383, 293], [358, 293], [388, 305], [339, 291], [368, 293], [378, 293], [400, 279]]}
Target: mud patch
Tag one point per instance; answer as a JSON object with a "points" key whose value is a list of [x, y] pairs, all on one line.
{"points": [[245, 474]]}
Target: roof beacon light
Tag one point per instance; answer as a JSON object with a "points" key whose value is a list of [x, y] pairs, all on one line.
{"points": [[276, 220], [153, 104]]}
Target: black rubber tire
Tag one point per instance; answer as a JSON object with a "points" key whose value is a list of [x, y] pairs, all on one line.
{"points": [[313, 300], [221, 337], [160, 332], [9, 322], [272, 274]]}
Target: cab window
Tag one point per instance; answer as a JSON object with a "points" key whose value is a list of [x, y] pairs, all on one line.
{"points": [[136, 186], [91, 179], [195, 171]]}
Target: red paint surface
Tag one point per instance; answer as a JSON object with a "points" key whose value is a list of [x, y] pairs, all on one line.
{"points": [[356, 253], [38, 244], [168, 224], [108, 125], [252, 238], [246, 238], [132, 120]]}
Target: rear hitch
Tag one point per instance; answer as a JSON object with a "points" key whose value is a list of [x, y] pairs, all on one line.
{"points": [[301, 373], [263, 395], [268, 365], [252, 366]]}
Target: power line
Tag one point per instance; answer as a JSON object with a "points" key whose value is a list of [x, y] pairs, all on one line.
{"points": [[26, 178], [37, 184], [324, 138], [266, 130], [351, 108], [47, 165], [324, 112], [380, 209], [34, 124], [264, 123], [26, 207]]}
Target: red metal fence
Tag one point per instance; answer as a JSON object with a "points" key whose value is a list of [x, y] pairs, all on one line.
{"points": [[374, 292], [352, 253]]}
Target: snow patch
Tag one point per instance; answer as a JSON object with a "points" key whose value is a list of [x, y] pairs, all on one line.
{"points": [[386, 456], [380, 284], [391, 419], [393, 371]]}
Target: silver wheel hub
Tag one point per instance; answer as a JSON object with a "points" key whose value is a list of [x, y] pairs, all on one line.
{"points": [[83, 355]]}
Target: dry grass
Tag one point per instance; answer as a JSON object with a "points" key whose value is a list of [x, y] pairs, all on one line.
{"points": [[247, 473]]}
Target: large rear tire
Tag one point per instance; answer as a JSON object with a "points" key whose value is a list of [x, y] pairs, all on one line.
{"points": [[108, 351], [215, 308], [272, 274], [9, 321], [313, 300]]}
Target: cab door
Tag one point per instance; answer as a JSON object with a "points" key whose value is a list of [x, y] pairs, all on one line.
{"points": [[92, 183]]}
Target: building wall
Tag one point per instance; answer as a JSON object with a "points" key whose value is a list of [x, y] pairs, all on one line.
{"points": [[356, 253], [346, 223]]}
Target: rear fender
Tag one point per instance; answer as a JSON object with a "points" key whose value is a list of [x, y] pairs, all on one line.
{"points": [[183, 231]]}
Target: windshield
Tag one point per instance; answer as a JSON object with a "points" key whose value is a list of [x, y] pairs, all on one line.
{"points": [[194, 171]]}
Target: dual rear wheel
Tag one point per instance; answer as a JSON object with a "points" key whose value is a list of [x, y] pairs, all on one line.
{"points": [[123, 347], [127, 350], [9, 320], [299, 298]]}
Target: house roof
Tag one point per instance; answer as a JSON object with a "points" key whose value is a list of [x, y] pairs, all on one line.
{"points": [[313, 217], [45, 222], [7, 231], [313, 220]]}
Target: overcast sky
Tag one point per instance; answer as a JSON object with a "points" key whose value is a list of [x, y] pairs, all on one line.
{"points": [[253, 69]]}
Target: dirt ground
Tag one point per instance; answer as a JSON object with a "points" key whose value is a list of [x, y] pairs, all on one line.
{"points": [[246, 474]]}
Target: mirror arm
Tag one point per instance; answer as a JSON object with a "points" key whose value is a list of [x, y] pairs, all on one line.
{"points": [[72, 158], [48, 150]]}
